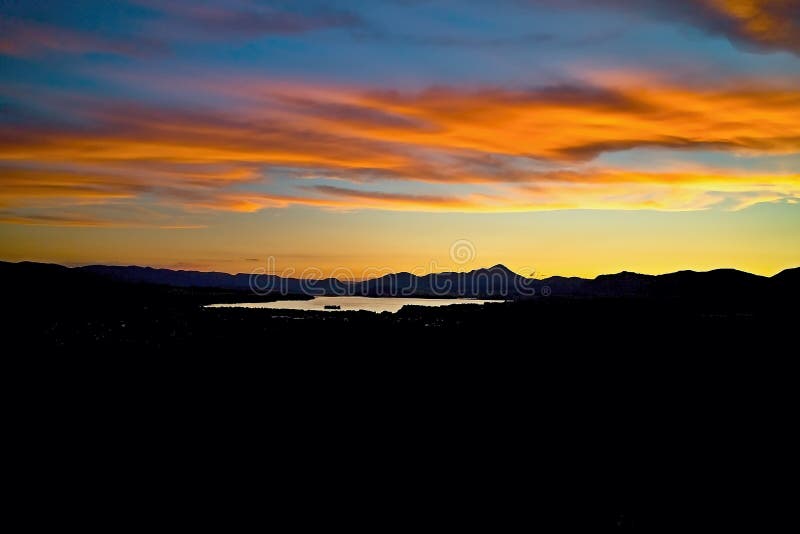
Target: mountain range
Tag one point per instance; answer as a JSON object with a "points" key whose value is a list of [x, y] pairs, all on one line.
{"points": [[497, 281]]}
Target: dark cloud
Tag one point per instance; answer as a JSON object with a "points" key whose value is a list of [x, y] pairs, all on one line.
{"points": [[147, 27], [592, 150], [25, 37], [573, 95], [249, 18], [755, 25], [40, 219], [379, 195], [466, 41], [447, 100], [351, 113]]}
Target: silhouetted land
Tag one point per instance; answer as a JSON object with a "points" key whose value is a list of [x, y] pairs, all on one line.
{"points": [[627, 313], [663, 401], [493, 282]]}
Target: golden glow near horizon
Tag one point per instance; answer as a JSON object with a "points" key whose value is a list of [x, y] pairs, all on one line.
{"points": [[762, 239]]}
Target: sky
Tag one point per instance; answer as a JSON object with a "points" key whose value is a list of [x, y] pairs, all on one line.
{"points": [[568, 137]]}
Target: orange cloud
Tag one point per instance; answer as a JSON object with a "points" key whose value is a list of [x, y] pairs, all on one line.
{"points": [[568, 124], [26, 186], [495, 140], [623, 190], [386, 130]]}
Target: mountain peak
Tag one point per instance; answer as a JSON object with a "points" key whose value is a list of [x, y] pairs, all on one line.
{"points": [[499, 267]]}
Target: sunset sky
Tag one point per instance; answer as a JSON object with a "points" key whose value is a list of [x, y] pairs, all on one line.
{"points": [[570, 137]]}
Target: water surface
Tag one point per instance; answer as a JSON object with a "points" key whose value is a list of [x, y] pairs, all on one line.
{"points": [[377, 304]]}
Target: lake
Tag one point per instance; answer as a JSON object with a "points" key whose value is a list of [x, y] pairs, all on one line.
{"points": [[378, 304]]}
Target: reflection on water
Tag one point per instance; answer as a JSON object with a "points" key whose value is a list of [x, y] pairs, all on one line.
{"points": [[378, 304]]}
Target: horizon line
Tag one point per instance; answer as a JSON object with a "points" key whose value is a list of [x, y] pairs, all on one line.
{"points": [[498, 265]]}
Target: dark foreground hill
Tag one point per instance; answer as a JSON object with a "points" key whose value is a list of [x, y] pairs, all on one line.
{"points": [[627, 400]]}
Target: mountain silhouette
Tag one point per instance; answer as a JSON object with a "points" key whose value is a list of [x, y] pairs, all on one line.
{"points": [[788, 277], [497, 281]]}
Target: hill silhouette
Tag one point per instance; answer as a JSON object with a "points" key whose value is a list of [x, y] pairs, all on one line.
{"points": [[93, 306], [496, 281]]}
